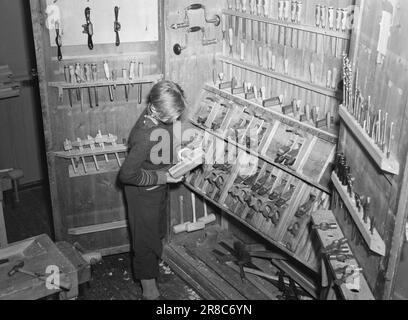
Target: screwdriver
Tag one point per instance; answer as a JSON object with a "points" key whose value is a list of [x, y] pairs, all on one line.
{"points": [[79, 78], [132, 72], [140, 73], [108, 77], [125, 78], [95, 78], [87, 69], [67, 80]]}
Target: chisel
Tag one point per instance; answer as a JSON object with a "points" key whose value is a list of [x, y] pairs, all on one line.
{"points": [[317, 22], [281, 35], [67, 80], [231, 41], [125, 78], [87, 70], [108, 78], [339, 50], [132, 67], [331, 27], [95, 79], [390, 139], [286, 13], [141, 75], [80, 79]]}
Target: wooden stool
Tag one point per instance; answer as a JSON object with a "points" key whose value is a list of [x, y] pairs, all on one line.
{"points": [[14, 175]]}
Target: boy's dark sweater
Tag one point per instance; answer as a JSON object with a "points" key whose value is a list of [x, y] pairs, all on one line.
{"points": [[138, 169]]}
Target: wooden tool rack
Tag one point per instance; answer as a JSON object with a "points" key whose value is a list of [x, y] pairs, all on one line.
{"points": [[263, 54], [88, 205]]}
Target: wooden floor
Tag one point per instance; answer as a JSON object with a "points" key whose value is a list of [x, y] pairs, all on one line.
{"points": [[112, 278]]}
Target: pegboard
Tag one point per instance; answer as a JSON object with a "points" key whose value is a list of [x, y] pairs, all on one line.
{"points": [[138, 18]]}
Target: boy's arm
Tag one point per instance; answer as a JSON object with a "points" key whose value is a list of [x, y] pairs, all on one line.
{"points": [[132, 173]]}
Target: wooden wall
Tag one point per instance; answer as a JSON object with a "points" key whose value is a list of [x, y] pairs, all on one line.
{"points": [[89, 200], [21, 134], [192, 69], [386, 83]]}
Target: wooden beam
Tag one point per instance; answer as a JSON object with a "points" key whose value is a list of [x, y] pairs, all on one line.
{"points": [[397, 238], [390, 165], [97, 228]]}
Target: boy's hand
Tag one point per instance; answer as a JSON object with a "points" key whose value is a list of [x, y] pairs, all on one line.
{"points": [[172, 180]]}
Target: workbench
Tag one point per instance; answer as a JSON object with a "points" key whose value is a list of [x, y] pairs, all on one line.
{"points": [[39, 254]]}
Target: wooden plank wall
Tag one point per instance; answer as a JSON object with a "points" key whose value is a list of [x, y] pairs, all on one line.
{"points": [[20, 117], [94, 199], [387, 85], [192, 69]]}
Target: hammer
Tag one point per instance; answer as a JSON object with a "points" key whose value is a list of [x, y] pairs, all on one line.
{"points": [[18, 268]]}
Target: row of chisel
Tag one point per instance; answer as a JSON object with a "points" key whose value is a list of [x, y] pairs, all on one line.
{"points": [[87, 74], [289, 35], [295, 108], [363, 203], [292, 11], [376, 124]]}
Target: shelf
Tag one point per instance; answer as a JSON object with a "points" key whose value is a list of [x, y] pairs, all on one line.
{"points": [[97, 228], [266, 159], [9, 92], [390, 165], [63, 85], [243, 222], [105, 83], [327, 238], [286, 24], [91, 153], [324, 135], [275, 75], [374, 241]]}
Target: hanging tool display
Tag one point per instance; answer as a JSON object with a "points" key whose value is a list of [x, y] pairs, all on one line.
{"points": [[58, 40], [88, 28], [376, 125], [117, 26], [92, 147]]}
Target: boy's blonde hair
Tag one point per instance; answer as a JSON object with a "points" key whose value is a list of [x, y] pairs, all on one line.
{"points": [[167, 101]]}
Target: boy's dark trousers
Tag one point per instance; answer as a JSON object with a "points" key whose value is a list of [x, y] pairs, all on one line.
{"points": [[147, 211]]}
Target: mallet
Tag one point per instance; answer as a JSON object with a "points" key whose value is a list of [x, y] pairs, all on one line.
{"points": [[196, 225], [183, 226], [207, 219]]}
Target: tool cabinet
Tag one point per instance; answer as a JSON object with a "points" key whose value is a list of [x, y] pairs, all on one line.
{"points": [[266, 83]]}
